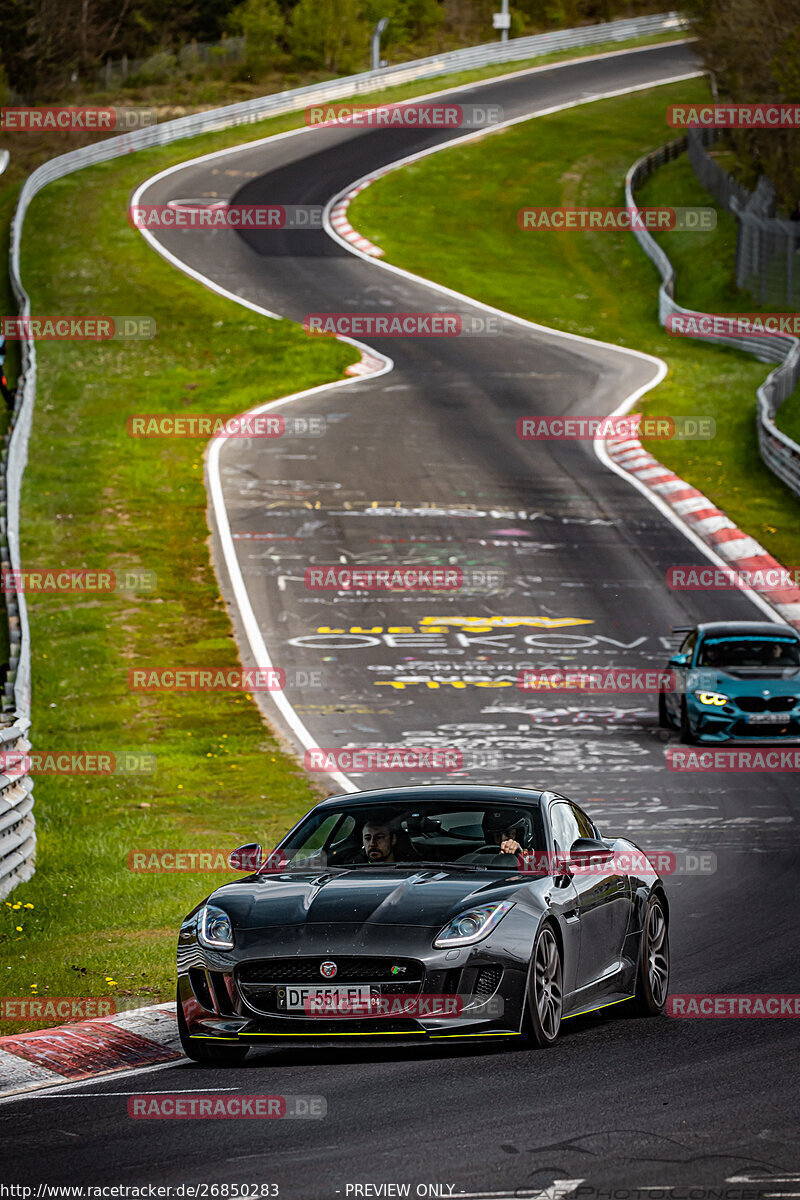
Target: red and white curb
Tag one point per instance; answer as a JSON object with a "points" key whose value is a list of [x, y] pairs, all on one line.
{"points": [[740, 551], [140, 1037], [368, 364], [343, 227]]}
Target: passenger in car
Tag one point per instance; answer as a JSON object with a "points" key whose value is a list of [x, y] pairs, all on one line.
{"points": [[378, 841]]}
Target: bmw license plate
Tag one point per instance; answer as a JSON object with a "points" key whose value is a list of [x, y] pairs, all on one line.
{"points": [[766, 719], [309, 999]]}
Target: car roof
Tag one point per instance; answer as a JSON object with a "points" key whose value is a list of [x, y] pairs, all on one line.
{"points": [[745, 628], [467, 793]]}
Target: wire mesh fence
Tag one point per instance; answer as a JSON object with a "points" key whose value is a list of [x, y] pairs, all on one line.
{"points": [[767, 246]]}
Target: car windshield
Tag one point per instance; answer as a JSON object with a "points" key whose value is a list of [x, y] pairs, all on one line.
{"points": [[760, 653], [438, 834]]}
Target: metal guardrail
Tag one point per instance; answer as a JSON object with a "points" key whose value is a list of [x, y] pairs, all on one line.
{"points": [[778, 451], [17, 838]]}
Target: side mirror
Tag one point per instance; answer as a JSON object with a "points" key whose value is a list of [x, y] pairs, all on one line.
{"points": [[679, 660], [246, 858], [586, 850]]}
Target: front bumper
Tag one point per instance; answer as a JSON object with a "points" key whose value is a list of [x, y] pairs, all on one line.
{"points": [[220, 1005], [221, 1031], [730, 724]]}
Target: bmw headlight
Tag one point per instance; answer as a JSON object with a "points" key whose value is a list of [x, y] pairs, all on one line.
{"points": [[474, 924], [715, 698], [214, 928]]}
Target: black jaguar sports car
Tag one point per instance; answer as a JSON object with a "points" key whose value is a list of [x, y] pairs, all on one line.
{"points": [[416, 914]]}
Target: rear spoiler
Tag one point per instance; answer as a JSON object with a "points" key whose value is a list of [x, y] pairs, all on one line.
{"points": [[682, 628]]}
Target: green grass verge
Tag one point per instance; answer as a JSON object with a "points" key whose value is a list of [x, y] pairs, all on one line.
{"points": [[596, 284], [95, 497]]}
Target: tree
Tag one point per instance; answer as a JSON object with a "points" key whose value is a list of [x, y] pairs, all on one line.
{"points": [[408, 19], [754, 51], [330, 34]]}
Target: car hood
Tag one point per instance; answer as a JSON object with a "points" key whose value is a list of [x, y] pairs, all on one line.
{"points": [[751, 680], [417, 896]]}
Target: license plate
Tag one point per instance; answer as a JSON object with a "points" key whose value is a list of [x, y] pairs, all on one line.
{"points": [[766, 719], [307, 999]]}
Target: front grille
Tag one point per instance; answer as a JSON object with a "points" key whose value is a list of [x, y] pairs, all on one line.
{"points": [[785, 728], [199, 982], [487, 982], [221, 995], [261, 982], [350, 968], [777, 704], [450, 981]]}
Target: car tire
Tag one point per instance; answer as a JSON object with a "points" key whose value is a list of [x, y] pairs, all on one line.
{"points": [[545, 993], [687, 733], [664, 719], [205, 1052], [652, 973]]}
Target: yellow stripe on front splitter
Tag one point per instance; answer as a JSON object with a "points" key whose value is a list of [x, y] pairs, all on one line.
{"points": [[597, 1008], [390, 1033], [499, 1033]]}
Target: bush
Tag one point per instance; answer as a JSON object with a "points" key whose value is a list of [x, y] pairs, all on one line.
{"points": [[158, 68]]}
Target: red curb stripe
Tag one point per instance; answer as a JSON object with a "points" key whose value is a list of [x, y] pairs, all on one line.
{"points": [[630, 461], [346, 230], [690, 493], [703, 514], [78, 1051], [728, 535]]}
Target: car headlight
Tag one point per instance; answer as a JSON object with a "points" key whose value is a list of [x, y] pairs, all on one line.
{"points": [[214, 928], [474, 924], [716, 698]]}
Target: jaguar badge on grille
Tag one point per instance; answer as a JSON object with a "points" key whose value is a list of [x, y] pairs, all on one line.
{"points": [[328, 969]]}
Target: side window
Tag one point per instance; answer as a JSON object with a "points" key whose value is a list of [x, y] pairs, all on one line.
{"points": [[565, 826], [585, 826], [689, 644], [319, 837]]}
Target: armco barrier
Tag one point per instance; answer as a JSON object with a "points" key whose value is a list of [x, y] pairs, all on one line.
{"points": [[779, 452], [17, 838]]}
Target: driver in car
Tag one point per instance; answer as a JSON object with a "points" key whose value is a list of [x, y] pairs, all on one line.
{"points": [[501, 830]]}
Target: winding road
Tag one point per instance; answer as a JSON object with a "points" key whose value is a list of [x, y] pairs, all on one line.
{"points": [[420, 464]]}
